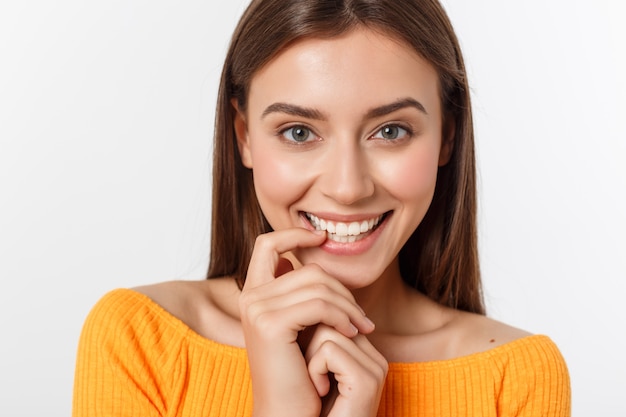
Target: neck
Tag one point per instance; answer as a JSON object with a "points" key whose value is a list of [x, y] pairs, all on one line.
{"points": [[386, 299], [396, 308]]}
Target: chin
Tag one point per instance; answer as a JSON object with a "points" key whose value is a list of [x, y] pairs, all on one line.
{"points": [[352, 272]]}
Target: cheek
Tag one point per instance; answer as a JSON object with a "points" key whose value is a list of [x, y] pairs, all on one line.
{"points": [[411, 177], [278, 183]]}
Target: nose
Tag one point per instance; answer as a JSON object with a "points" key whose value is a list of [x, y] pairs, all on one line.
{"points": [[347, 178]]}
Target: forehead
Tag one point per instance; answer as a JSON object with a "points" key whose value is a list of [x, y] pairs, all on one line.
{"points": [[361, 66]]}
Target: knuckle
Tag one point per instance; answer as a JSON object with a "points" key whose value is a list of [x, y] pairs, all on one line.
{"points": [[323, 334], [253, 311], [319, 304], [327, 347], [262, 242], [265, 324], [380, 371], [373, 378], [321, 289]]}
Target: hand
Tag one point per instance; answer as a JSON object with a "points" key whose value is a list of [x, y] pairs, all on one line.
{"points": [[347, 371], [273, 312]]}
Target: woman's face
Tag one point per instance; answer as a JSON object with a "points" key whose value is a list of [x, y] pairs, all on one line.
{"points": [[345, 134]]}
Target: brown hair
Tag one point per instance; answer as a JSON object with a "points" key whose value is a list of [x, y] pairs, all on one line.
{"points": [[440, 259]]}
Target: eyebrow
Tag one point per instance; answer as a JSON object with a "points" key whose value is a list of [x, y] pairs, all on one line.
{"points": [[395, 106], [293, 110], [309, 113]]}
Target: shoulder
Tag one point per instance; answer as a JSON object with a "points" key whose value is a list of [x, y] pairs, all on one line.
{"points": [[532, 374], [116, 310], [125, 319], [209, 307], [530, 355], [534, 379], [469, 334], [120, 341], [133, 350], [483, 334], [477, 333], [169, 309]]}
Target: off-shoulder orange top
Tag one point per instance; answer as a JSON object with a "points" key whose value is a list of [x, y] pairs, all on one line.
{"points": [[136, 359]]}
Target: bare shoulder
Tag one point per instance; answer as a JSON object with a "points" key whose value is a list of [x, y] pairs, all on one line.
{"points": [[479, 333], [184, 298], [209, 307]]}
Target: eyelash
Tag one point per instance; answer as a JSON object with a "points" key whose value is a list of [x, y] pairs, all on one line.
{"points": [[283, 132], [408, 134]]}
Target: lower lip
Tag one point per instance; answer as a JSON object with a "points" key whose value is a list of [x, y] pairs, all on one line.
{"points": [[350, 248]]}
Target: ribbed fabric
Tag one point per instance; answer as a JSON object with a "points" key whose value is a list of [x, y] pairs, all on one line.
{"points": [[135, 359], [527, 377]]}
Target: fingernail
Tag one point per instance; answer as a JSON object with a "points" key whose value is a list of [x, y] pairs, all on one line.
{"points": [[371, 323], [354, 329]]}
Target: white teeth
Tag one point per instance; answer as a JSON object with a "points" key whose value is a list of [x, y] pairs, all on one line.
{"points": [[344, 232], [341, 229], [354, 229]]}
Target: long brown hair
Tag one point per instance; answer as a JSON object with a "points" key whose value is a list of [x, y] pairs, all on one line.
{"points": [[440, 259]]}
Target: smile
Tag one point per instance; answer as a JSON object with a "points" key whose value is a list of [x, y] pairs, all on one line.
{"points": [[345, 232]]}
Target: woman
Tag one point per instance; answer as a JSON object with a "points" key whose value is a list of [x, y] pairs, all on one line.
{"points": [[344, 277]]}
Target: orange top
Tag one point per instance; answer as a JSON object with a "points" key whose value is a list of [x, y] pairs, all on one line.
{"points": [[136, 359]]}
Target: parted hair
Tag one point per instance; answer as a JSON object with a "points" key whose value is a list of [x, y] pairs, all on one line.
{"points": [[440, 259]]}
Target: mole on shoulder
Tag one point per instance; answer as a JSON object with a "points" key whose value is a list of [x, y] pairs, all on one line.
{"points": [[492, 340]]}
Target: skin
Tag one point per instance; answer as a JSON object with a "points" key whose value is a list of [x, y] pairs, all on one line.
{"points": [[346, 170], [367, 114]]}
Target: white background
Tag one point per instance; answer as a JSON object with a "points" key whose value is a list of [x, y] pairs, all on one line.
{"points": [[106, 113]]}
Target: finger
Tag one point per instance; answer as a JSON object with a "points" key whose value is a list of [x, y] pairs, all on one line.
{"points": [[268, 248], [284, 324], [313, 274], [328, 311], [368, 348], [355, 372], [329, 357], [324, 334], [316, 292], [313, 277], [359, 347], [318, 366]]}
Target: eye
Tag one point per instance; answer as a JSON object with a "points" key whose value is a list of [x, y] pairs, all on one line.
{"points": [[299, 134], [392, 132]]}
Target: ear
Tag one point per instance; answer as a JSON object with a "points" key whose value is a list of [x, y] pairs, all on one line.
{"points": [[447, 142], [241, 131]]}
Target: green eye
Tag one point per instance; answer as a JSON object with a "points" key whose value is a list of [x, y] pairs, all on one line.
{"points": [[297, 134], [391, 132]]}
